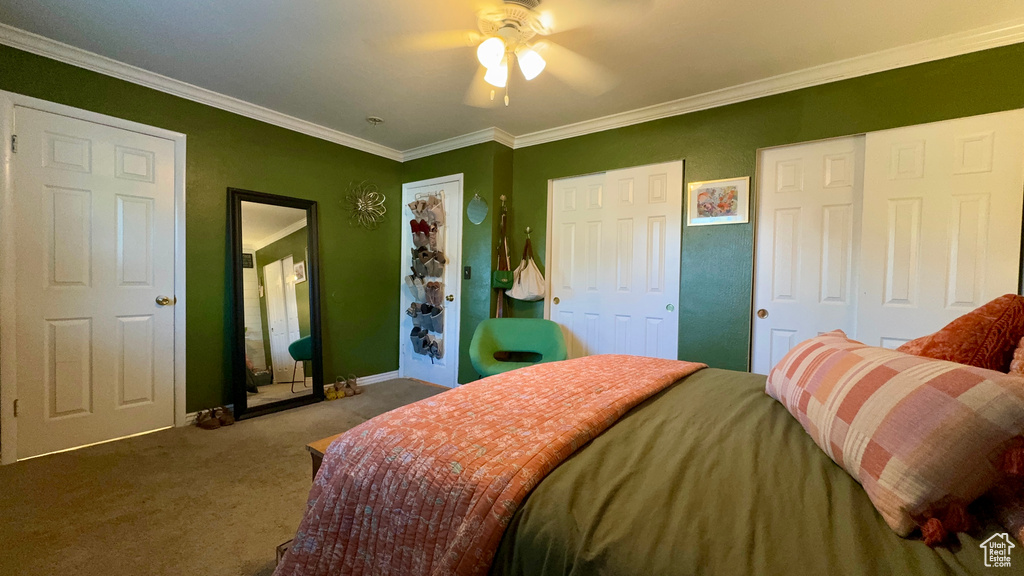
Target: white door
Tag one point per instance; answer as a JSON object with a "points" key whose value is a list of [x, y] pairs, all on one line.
{"points": [[942, 223], [95, 246], [443, 370], [277, 319], [291, 308], [808, 231], [614, 264]]}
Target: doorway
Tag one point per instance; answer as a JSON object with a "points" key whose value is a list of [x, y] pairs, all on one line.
{"points": [[93, 291]]}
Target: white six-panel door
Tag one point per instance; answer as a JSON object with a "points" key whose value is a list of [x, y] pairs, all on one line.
{"points": [[808, 232], [95, 246], [445, 370], [614, 264], [942, 223], [939, 221]]}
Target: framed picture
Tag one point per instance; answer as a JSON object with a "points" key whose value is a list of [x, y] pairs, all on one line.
{"points": [[718, 202], [300, 272], [247, 260]]}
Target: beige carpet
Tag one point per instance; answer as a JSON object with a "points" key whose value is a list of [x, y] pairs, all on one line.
{"points": [[180, 501]]}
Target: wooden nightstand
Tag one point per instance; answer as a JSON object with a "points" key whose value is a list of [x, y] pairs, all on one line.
{"points": [[316, 451]]}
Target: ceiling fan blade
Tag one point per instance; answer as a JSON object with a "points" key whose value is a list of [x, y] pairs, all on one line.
{"points": [[478, 95], [579, 72], [431, 41], [562, 15]]}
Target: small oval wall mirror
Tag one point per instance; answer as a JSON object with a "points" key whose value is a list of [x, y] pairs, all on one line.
{"points": [[476, 211]]}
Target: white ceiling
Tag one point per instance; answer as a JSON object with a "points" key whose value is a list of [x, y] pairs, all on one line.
{"points": [[260, 221], [335, 63]]}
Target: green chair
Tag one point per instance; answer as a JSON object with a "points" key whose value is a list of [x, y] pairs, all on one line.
{"points": [[539, 339], [301, 351]]}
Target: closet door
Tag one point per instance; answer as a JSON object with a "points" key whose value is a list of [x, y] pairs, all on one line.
{"points": [[942, 223], [808, 229], [614, 269]]}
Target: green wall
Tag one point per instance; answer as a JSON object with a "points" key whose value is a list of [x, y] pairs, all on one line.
{"points": [[717, 261], [293, 245], [359, 269], [486, 170]]}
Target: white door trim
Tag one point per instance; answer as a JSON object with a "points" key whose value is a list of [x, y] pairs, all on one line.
{"points": [[547, 249], [8, 337]]}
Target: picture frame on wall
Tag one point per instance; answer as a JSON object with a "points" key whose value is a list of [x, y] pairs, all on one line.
{"points": [[712, 202], [300, 272]]}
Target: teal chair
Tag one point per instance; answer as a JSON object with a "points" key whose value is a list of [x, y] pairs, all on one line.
{"points": [[537, 339], [301, 351]]}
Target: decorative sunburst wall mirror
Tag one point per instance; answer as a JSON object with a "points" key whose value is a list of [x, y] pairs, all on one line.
{"points": [[366, 205]]}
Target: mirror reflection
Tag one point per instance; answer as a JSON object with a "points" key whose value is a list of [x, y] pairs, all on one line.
{"points": [[278, 345]]}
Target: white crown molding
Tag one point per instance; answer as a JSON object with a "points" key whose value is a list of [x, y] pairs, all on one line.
{"points": [[42, 46], [268, 240], [993, 36], [480, 136], [975, 40]]}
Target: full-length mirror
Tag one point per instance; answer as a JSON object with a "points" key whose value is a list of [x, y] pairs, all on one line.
{"points": [[277, 360]]}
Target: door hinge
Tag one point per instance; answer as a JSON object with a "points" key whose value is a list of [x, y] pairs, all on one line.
{"points": [[15, 408], [14, 143]]}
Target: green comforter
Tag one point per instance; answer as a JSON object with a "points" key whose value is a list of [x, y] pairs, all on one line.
{"points": [[714, 477]]}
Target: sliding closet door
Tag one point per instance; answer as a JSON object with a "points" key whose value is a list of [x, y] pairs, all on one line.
{"points": [[942, 223], [808, 229]]}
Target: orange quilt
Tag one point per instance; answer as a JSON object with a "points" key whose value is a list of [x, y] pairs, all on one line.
{"points": [[430, 487]]}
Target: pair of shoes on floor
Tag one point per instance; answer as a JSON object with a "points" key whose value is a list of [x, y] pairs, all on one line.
{"points": [[347, 386], [215, 418]]}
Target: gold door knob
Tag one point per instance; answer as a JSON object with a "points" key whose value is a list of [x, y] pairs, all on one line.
{"points": [[762, 313], [450, 298], [164, 300], [555, 300]]}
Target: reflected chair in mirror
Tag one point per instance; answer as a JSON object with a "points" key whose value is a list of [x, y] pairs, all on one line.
{"points": [[503, 344], [301, 351]]}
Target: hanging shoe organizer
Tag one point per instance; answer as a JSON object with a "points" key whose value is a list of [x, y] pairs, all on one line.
{"points": [[425, 284]]}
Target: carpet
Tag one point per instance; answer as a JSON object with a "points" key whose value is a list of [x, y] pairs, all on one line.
{"points": [[179, 501]]}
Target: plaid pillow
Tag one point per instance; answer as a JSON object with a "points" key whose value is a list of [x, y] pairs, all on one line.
{"points": [[924, 437]]}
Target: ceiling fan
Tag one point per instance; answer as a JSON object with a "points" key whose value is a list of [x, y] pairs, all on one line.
{"points": [[509, 37]]}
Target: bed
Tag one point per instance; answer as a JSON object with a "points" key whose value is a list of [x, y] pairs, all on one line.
{"points": [[705, 475], [712, 476]]}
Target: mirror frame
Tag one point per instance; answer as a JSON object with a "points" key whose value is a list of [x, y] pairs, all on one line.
{"points": [[235, 198]]}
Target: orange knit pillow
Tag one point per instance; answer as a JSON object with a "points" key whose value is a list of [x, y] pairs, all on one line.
{"points": [[1017, 364], [986, 337]]}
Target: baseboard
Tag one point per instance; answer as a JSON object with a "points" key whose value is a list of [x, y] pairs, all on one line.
{"points": [[190, 418], [376, 378]]}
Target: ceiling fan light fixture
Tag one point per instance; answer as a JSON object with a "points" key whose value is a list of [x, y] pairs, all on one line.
{"points": [[531, 63], [497, 76], [490, 52]]}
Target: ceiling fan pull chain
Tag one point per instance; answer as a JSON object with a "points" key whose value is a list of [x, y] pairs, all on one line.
{"points": [[508, 76]]}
